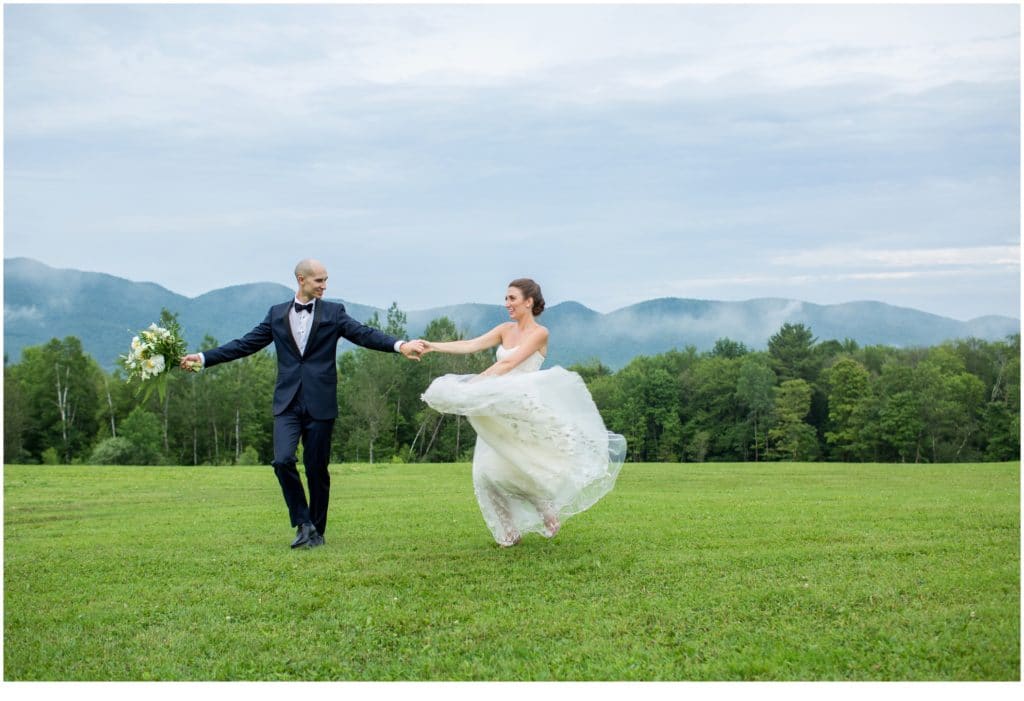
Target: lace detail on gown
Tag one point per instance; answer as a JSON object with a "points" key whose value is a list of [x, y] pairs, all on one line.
{"points": [[542, 452]]}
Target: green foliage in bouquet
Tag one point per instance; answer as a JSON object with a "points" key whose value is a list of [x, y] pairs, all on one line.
{"points": [[154, 351]]}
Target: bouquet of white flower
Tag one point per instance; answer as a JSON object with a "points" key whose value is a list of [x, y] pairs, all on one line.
{"points": [[153, 353]]}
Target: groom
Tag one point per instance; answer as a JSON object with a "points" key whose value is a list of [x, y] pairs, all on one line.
{"points": [[305, 333]]}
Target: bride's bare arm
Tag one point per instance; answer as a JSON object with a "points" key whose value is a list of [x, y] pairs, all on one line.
{"points": [[472, 345], [527, 347]]}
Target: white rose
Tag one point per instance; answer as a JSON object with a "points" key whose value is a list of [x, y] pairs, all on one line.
{"points": [[153, 366]]}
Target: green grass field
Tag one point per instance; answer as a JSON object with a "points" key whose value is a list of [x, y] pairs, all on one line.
{"points": [[771, 571]]}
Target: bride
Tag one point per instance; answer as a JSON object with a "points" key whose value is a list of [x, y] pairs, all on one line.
{"points": [[542, 451]]}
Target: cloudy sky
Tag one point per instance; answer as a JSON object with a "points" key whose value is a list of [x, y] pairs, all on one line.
{"points": [[429, 154]]}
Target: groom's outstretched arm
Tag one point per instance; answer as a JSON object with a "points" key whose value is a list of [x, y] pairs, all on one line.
{"points": [[363, 335], [256, 340], [369, 337]]}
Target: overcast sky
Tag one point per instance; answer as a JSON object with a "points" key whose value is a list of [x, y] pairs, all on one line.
{"points": [[430, 154]]}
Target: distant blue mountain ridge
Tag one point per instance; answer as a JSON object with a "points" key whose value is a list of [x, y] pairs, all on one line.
{"points": [[105, 311]]}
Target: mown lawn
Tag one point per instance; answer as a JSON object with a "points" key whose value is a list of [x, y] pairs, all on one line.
{"points": [[684, 572]]}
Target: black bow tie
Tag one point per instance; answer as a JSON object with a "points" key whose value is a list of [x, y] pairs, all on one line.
{"points": [[304, 307]]}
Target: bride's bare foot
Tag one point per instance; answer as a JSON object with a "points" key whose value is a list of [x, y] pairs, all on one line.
{"points": [[551, 523], [512, 537]]}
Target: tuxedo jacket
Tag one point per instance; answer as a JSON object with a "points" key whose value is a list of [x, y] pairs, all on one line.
{"points": [[314, 372]]}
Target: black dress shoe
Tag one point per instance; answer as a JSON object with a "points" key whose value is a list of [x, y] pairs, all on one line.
{"points": [[305, 534], [316, 539]]}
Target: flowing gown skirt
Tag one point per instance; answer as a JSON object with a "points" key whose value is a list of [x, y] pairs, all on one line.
{"points": [[541, 445]]}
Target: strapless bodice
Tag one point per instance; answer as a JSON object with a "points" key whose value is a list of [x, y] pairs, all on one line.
{"points": [[531, 364]]}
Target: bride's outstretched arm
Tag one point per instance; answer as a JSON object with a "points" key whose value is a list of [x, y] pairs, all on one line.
{"points": [[527, 346], [472, 345]]}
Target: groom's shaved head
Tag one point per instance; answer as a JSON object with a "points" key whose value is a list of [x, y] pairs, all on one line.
{"points": [[312, 278], [307, 266]]}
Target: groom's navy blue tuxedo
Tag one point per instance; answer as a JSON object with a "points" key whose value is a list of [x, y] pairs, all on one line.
{"points": [[305, 395]]}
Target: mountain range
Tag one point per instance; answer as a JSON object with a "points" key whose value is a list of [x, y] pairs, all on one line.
{"points": [[104, 311]]}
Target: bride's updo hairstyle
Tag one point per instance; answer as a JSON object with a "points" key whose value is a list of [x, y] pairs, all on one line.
{"points": [[530, 290]]}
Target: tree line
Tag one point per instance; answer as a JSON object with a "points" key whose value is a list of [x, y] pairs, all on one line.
{"points": [[800, 399]]}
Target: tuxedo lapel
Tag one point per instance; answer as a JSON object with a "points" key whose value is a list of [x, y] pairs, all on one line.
{"points": [[284, 329], [318, 310]]}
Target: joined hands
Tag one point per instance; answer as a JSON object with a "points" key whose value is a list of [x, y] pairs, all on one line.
{"points": [[414, 350]]}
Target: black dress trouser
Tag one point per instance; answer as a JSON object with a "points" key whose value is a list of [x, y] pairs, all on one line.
{"points": [[291, 425]]}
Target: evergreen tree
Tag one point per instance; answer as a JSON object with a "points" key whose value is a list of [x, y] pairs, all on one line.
{"points": [[791, 437], [793, 355], [849, 388]]}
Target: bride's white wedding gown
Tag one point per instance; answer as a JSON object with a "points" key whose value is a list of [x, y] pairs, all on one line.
{"points": [[542, 449]]}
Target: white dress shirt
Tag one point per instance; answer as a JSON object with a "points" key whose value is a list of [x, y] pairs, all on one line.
{"points": [[301, 323]]}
